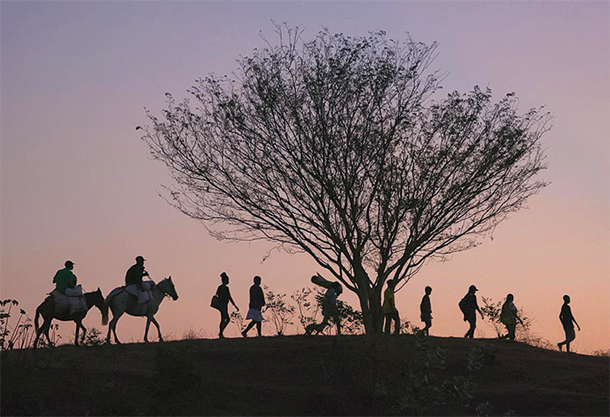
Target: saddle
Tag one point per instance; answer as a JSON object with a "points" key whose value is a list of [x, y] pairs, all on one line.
{"points": [[143, 296], [70, 303]]}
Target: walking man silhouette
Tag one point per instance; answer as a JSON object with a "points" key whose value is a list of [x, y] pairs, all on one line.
{"points": [[389, 308], [469, 307], [509, 316], [568, 321], [426, 311]]}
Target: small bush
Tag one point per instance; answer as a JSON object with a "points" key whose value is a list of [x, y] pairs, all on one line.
{"points": [[93, 338], [279, 312]]}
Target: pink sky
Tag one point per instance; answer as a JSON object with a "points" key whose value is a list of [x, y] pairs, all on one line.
{"points": [[77, 183]]}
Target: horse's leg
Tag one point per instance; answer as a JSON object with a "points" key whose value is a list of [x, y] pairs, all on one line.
{"points": [[108, 334], [152, 318], [76, 335], [109, 328], [47, 326], [112, 325], [84, 330], [79, 325], [148, 320], [38, 333]]}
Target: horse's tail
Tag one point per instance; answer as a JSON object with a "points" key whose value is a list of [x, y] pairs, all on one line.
{"points": [[36, 325], [105, 309]]}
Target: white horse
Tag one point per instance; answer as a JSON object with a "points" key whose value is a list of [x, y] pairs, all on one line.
{"points": [[120, 302]]}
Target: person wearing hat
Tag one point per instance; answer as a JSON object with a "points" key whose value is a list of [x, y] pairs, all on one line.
{"points": [[470, 308], [65, 278], [133, 277]]}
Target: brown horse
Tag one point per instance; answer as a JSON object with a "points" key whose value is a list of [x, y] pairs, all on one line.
{"points": [[47, 310], [121, 302]]}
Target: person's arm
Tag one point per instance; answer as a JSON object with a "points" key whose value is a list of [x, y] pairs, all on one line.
{"points": [[577, 325], [231, 299], [476, 307], [518, 318]]}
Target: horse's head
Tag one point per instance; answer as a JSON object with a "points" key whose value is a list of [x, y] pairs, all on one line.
{"points": [[98, 299], [167, 286]]}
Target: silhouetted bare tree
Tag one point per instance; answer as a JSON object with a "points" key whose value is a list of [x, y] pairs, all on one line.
{"points": [[335, 147]]}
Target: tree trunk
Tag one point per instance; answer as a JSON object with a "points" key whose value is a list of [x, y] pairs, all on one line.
{"points": [[370, 303]]}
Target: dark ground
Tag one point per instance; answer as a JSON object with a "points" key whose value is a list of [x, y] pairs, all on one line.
{"points": [[297, 375]]}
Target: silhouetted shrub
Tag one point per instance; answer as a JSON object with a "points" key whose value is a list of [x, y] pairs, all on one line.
{"points": [[19, 335], [279, 312]]}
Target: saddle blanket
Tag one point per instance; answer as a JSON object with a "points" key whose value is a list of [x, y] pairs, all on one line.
{"points": [[143, 296], [71, 303]]}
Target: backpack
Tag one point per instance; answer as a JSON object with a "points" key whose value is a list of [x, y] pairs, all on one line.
{"points": [[463, 304]]}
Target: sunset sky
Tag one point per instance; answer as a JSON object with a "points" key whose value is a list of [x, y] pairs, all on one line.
{"points": [[78, 183]]}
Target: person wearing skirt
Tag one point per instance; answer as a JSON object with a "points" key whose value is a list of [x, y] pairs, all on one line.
{"points": [[257, 301]]}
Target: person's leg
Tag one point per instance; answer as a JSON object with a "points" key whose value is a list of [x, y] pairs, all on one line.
{"points": [[324, 323], [337, 322], [511, 331], [224, 321], [570, 336], [259, 328], [387, 323], [250, 325], [396, 323], [473, 325], [428, 325]]}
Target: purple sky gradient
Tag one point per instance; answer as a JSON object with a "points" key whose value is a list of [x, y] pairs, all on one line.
{"points": [[77, 183]]}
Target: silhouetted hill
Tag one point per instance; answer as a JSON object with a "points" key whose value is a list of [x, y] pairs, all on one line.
{"points": [[297, 375]]}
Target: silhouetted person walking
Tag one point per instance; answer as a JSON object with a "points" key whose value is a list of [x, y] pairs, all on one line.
{"points": [[389, 309], [469, 307], [224, 296], [329, 306], [257, 301], [65, 279], [568, 321], [509, 316], [426, 311]]}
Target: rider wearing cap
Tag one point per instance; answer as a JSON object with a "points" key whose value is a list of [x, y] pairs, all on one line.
{"points": [[65, 278], [135, 273]]}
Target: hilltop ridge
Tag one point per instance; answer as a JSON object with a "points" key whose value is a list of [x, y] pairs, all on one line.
{"points": [[298, 375]]}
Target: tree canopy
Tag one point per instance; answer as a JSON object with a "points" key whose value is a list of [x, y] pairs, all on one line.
{"points": [[343, 148]]}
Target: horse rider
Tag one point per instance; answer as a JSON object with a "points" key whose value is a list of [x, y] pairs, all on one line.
{"points": [[65, 279], [133, 278]]}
